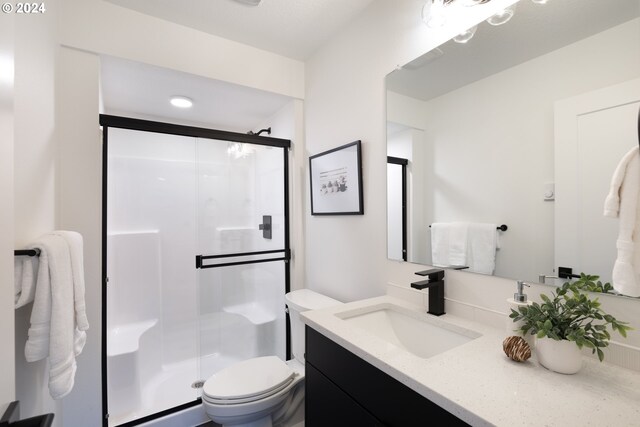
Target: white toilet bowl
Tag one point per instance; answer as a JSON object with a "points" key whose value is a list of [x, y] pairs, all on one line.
{"points": [[257, 392], [264, 391]]}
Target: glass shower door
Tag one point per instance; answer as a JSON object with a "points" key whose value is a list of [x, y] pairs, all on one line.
{"points": [[173, 193], [243, 242], [151, 294]]}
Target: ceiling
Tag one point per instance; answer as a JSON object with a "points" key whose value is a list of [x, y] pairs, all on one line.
{"points": [[143, 91], [293, 28], [533, 31]]}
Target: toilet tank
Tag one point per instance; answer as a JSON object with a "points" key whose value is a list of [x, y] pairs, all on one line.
{"points": [[299, 301]]}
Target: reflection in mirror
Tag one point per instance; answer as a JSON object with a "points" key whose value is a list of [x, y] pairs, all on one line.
{"points": [[523, 125]]}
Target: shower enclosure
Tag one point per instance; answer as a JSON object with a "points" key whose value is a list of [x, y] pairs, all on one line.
{"points": [[195, 261]]}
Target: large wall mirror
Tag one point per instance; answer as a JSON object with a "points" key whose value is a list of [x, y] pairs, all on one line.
{"points": [[523, 126]]}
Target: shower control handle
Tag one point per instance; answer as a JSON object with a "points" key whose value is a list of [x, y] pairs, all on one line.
{"points": [[265, 226]]}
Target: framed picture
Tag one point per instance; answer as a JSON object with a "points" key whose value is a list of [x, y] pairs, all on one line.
{"points": [[336, 181]]}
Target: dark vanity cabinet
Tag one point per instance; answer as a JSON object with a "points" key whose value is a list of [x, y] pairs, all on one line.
{"points": [[344, 390]]}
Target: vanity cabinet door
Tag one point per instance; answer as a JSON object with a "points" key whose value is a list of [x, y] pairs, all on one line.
{"points": [[389, 402], [328, 405]]}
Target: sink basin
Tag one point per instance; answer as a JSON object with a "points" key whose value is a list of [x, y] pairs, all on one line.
{"points": [[420, 334]]}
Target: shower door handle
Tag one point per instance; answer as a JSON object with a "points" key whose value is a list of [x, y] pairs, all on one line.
{"points": [[265, 226]]}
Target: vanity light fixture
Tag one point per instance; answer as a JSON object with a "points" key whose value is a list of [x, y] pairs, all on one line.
{"points": [[465, 36], [181, 101], [503, 16], [434, 11], [540, 1], [434, 14]]}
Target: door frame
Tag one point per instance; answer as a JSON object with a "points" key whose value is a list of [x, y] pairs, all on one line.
{"points": [[120, 122], [403, 163]]}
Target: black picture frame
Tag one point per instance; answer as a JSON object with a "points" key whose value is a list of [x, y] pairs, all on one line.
{"points": [[335, 178]]}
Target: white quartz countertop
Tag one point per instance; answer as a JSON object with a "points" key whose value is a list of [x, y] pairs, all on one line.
{"points": [[478, 383]]}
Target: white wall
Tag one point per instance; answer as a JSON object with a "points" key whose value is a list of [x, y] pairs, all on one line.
{"points": [[345, 101], [79, 208], [346, 256], [99, 26], [7, 93], [34, 162]]}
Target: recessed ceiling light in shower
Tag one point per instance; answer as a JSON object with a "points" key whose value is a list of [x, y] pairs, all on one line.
{"points": [[181, 102]]}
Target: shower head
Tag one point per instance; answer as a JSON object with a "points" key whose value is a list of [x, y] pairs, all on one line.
{"points": [[267, 130]]}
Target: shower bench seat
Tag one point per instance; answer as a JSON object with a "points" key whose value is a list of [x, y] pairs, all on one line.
{"points": [[254, 313], [126, 339]]}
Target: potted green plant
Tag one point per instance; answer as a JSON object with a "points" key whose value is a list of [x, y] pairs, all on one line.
{"points": [[564, 324]]}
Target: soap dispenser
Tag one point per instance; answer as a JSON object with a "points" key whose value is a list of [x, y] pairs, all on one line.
{"points": [[519, 300]]}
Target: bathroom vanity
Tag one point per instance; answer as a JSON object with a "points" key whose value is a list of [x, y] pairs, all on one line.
{"points": [[359, 393], [370, 362]]}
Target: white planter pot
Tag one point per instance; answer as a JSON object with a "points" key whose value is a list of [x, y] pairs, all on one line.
{"points": [[559, 356]]}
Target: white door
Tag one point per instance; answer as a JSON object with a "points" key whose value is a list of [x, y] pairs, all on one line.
{"points": [[592, 133]]}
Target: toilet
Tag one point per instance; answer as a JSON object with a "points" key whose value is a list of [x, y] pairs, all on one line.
{"points": [[264, 391]]}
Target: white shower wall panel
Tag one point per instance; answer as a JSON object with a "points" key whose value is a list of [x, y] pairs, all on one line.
{"points": [[226, 200], [270, 197], [134, 277], [235, 191], [242, 312], [154, 187]]}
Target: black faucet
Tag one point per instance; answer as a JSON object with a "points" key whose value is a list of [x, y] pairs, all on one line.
{"points": [[435, 283]]}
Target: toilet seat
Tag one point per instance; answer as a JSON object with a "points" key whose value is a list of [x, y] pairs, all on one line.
{"points": [[248, 381]]}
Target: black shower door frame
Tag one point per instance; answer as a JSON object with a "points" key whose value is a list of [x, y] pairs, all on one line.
{"points": [[110, 121]]}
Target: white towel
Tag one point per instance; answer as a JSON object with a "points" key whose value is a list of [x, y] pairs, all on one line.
{"points": [[74, 241], [54, 330], [483, 242], [37, 346], [439, 244], [24, 280], [623, 202], [449, 244]]}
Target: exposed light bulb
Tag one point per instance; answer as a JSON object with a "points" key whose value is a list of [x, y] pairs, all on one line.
{"points": [[181, 102], [503, 16], [433, 13], [465, 36]]}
